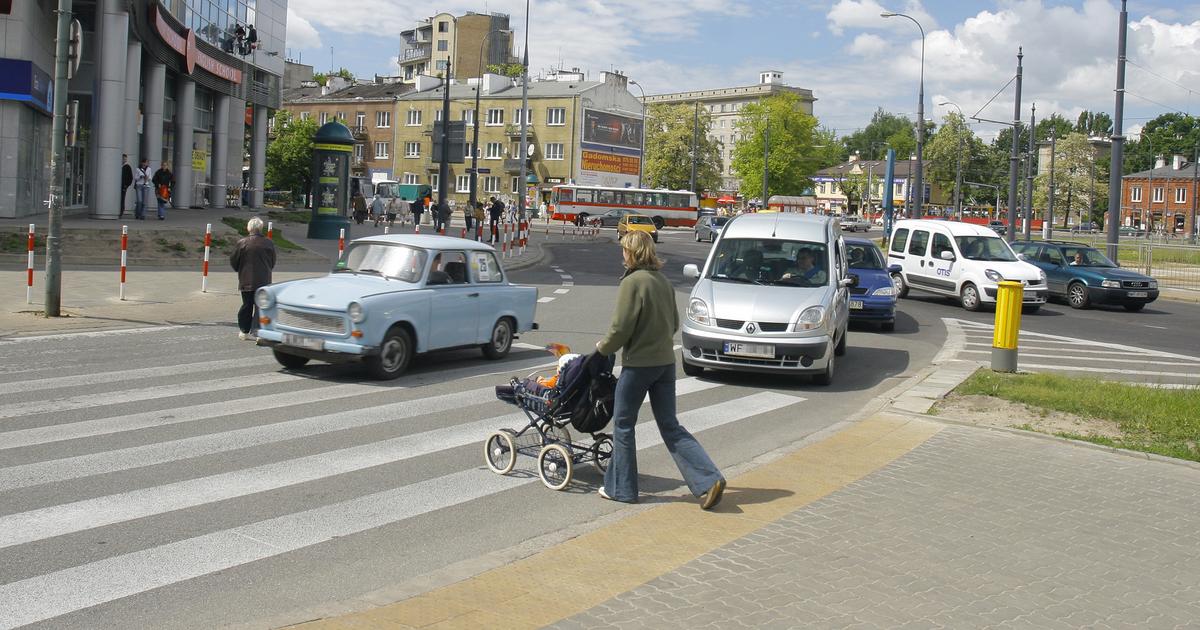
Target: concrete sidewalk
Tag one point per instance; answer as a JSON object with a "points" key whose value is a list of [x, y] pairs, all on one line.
{"points": [[896, 520]]}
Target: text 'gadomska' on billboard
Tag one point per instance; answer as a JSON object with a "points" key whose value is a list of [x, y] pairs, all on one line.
{"points": [[610, 150]]}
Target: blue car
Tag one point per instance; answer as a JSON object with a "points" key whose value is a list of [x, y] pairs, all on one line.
{"points": [[1081, 275], [873, 299]]}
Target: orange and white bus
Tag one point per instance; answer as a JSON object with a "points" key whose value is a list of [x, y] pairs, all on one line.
{"points": [[575, 203]]}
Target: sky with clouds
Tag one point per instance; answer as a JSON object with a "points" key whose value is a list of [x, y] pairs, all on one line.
{"points": [[851, 58]]}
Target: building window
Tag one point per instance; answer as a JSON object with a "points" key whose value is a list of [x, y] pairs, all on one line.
{"points": [[467, 150], [324, 117], [1135, 193], [409, 178], [495, 151], [495, 117], [358, 153], [468, 117], [556, 116], [383, 120], [722, 108], [443, 45], [437, 115], [554, 150], [1158, 195], [491, 184], [462, 183], [1180, 195], [303, 115], [443, 27], [360, 119], [517, 116], [341, 116], [412, 149], [441, 64], [515, 186], [381, 150], [414, 118]]}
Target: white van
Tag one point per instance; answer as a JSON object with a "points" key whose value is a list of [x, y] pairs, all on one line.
{"points": [[959, 260]]}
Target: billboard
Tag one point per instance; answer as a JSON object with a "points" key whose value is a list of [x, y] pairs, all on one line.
{"points": [[610, 163], [612, 130]]}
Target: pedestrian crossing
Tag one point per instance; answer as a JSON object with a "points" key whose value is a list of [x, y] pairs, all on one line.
{"points": [[1039, 352], [81, 459]]}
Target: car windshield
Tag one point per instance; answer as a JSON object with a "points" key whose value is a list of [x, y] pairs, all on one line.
{"points": [[1086, 257], [863, 256], [383, 259], [640, 219], [989, 248], [719, 221], [388, 189], [771, 262]]}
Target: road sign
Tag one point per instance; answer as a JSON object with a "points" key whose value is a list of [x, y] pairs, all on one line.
{"points": [[458, 138], [481, 171]]}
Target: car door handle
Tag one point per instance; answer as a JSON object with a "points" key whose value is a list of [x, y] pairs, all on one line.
{"points": [[472, 295]]}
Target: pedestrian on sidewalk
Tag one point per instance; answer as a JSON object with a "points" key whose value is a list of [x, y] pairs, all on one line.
{"points": [[417, 206], [359, 203], [126, 182], [480, 216], [643, 329], [141, 183], [377, 207], [163, 181], [253, 258], [495, 210]]}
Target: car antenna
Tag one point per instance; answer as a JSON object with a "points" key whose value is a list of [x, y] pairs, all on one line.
{"points": [[775, 224]]}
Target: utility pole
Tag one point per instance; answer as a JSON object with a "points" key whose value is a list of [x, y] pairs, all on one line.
{"points": [[1015, 157], [59, 138], [1048, 220], [1195, 190], [1118, 142], [444, 166], [766, 155], [524, 119], [1029, 173], [695, 142]]}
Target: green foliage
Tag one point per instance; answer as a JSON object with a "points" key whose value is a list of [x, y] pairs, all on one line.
{"points": [[952, 143], [1054, 122], [1072, 180], [1166, 135], [1094, 124], [669, 131], [511, 70], [289, 155], [323, 77], [239, 224], [793, 155], [893, 129]]}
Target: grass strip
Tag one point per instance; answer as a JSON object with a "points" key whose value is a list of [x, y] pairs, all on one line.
{"points": [[239, 224], [1152, 420]]}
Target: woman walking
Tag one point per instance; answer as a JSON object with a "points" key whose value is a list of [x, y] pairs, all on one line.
{"points": [[643, 328]]}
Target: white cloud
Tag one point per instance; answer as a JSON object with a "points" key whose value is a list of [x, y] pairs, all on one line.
{"points": [[867, 45], [866, 14], [300, 32]]}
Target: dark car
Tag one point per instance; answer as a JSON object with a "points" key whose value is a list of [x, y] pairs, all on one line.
{"points": [[610, 218], [873, 299], [708, 226], [998, 227], [1083, 276]]}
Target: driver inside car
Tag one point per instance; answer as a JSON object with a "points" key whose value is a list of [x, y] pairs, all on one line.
{"points": [[806, 270]]}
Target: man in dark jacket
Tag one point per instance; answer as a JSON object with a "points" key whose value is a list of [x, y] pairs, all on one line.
{"points": [[126, 182], [253, 258], [495, 211], [164, 181]]}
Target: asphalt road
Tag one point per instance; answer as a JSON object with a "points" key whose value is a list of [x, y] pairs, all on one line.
{"points": [[177, 478]]}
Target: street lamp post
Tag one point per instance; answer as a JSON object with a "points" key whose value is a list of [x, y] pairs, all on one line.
{"points": [[524, 118], [475, 130], [920, 113], [642, 159], [957, 163]]}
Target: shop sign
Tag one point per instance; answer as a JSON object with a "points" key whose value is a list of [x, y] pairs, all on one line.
{"points": [[22, 80], [185, 45], [609, 163], [199, 159]]}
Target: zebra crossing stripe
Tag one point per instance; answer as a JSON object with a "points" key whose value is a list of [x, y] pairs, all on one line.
{"points": [[60, 592], [100, 378], [16, 529]]}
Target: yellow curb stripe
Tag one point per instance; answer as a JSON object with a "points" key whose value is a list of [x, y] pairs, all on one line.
{"points": [[581, 573]]}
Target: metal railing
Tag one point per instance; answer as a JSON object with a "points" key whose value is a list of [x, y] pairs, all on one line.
{"points": [[1174, 265]]}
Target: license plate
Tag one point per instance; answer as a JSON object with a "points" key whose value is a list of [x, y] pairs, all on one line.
{"points": [[756, 350], [856, 305], [301, 341], [1138, 294]]}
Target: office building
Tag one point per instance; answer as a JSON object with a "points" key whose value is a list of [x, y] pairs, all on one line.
{"points": [[444, 39]]}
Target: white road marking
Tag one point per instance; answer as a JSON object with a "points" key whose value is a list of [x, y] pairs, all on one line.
{"points": [[1153, 326], [67, 590], [1065, 357], [561, 291], [1072, 368], [97, 378], [568, 284], [92, 334], [567, 276], [543, 300], [1047, 338]]}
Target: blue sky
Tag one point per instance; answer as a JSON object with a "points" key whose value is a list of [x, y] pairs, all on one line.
{"points": [[853, 60]]}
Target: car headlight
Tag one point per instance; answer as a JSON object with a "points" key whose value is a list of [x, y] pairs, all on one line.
{"points": [[356, 312], [1041, 277], [885, 291], [263, 299], [1111, 284], [811, 318], [698, 312], [993, 275], [1153, 284]]}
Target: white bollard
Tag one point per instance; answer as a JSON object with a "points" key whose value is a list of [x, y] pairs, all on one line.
{"points": [[207, 248], [29, 270], [341, 242], [124, 257]]}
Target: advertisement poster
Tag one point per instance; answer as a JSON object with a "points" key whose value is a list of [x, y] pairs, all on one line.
{"points": [[610, 149], [610, 163], [612, 130]]}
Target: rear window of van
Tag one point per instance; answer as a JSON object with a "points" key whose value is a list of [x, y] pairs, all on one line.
{"points": [[898, 240]]}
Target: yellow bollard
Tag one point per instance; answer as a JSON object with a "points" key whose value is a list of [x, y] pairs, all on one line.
{"points": [[1008, 325]]}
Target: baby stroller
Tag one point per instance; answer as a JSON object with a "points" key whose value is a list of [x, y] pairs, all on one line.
{"points": [[582, 397]]}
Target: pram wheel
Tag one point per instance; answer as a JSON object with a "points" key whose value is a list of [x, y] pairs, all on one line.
{"points": [[553, 433], [500, 451], [554, 466], [602, 450]]}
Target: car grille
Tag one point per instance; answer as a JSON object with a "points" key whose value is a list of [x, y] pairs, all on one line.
{"points": [[772, 327], [858, 291], [735, 324], [333, 324], [783, 361], [1135, 284]]}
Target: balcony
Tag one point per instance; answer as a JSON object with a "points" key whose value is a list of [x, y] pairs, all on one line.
{"points": [[513, 166], [359, 132], [513, 130], [421, 51]]}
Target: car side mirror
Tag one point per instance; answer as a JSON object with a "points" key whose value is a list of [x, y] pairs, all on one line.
{"points": [[947, 255], [691, 271], [1022, 257], [895, 269], [850, 281]]}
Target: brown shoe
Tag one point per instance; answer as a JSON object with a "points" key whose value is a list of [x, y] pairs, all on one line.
{"points": [[713, 496]]}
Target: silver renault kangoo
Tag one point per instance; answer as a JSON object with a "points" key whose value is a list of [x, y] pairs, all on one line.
{"points": [[772, 297]]}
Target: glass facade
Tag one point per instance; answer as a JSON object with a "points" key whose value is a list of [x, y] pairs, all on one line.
{"points": [[214, 21]]}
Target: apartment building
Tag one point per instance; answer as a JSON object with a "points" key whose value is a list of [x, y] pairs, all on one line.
{"points": [[724, 106], [832, 199], [1161, 198], [445, 38]]}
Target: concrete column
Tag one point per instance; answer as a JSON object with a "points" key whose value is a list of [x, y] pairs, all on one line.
{"points": [[109, 125], [154, 96], [237, 143], [258, 155], [220, 149], [185, 123], [133, 78]]}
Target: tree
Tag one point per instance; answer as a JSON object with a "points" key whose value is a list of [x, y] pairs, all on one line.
{"points": [[942, 153], [323, 77], [1094, 124], [1164, 136], [510, 70], [1054, 122], [893, 129], [669, 131], [793, 158], [289, 155], [1074, 192]]}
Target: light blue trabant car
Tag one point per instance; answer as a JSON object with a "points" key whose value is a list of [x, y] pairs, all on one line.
{"points": [[390, 297]]}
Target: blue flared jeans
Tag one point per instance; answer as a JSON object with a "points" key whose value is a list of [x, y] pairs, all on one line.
{"points": [[621, 478]]}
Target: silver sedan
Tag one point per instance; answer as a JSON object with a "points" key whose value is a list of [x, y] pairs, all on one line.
{"points": [[708, 227]]}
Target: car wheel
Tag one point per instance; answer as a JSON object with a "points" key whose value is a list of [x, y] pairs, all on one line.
{"points": [[840, 348], [655, 237], [1133, 308], [658, 223], [581, 219], [899, 285], [1077, 295], [501, 340], [969, 297], [395, 353], [697, 236], [290, 361], [888, 326], [1030, 309], [689, 369], [825, 378]]}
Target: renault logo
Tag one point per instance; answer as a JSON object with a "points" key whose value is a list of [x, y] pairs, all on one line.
{"points": [[751, 328]]}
